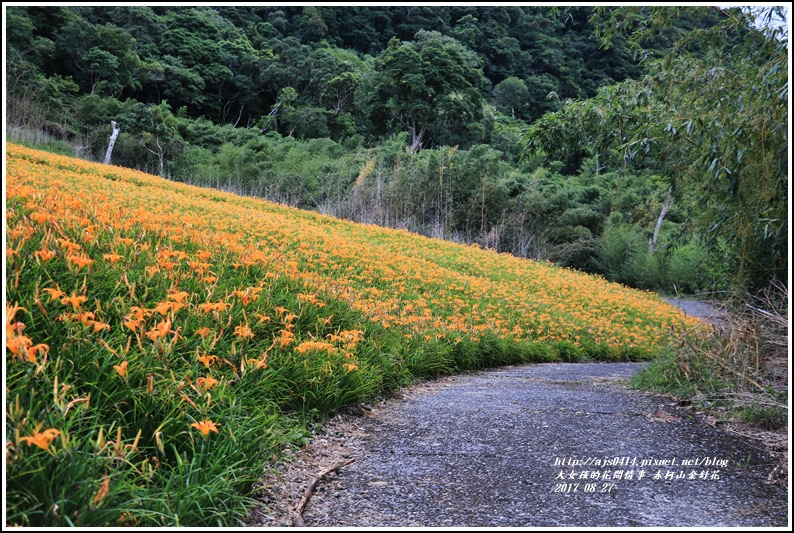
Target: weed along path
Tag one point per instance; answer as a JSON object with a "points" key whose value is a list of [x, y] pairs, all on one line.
{"points": [[540, 445]]}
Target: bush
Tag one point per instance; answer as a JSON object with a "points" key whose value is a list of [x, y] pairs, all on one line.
{"points": [[686, 269]]}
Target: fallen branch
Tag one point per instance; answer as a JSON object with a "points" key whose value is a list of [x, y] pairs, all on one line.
{"points": [[297, 519]]}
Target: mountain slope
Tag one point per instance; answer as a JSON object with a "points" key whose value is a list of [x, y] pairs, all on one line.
{"points": [[167, 339]]}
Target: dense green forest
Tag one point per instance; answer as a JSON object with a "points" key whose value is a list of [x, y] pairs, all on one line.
{"points": [[488, 125]]}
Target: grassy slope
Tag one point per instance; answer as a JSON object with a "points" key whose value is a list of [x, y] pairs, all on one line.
{"points": [[214, 326]]}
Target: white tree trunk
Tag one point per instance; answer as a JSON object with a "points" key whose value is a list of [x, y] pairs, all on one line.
{"points": [[665, 207], [112, 141], [416, 138]]}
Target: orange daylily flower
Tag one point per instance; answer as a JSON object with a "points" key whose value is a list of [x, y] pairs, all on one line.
{"points": [[132, 323], [121, 369], [79, 261], [112, 258], [41, 439], [11, 311], [199, 266], [18, 345], [248, 295], [75, 301], [287, 337], [138, 313], [39, 217], [54, 293], [243, 332], [99, 326], [86, 317], [44, 254], [134, 320], [209, 306], [161, 330], [33, 352], [207, 383], [168, 265], [203, 332], [176, 306], [205, 426], [103, 492], [127, 520], [309, 346], [178, 297], [259, 363], [21, 345], [163, 308], [69, 245], [208, 360], [312, 299]]}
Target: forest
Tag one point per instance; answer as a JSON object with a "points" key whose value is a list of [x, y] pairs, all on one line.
{"points": [[647, 145]]}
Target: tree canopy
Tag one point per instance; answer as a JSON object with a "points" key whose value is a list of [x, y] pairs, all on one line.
{"points": [[428, 87], [715, 123]]}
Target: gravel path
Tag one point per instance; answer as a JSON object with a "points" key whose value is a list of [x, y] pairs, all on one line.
{"points": [[520, 446], [706, 310]]}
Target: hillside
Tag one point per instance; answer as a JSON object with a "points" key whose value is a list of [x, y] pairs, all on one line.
{"points": [[164, 340], [401, 116]]}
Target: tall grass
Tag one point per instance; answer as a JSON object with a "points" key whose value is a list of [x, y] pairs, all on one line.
{"points": [[164, 342], [739, 370], [40, 140]]}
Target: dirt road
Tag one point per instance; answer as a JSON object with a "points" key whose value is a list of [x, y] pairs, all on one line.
{"points": [[705, 310], [541, 445]]}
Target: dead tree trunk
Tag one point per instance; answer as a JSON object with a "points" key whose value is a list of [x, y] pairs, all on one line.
{"points": [[416, 138], [665, 207], [112, 141]]}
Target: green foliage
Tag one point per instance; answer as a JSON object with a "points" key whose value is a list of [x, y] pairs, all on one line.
{"points": [[430, 86], [39, 140], [768, 418], [733, 373], [715, 124], [624, 256], [511, 93], [295, 103]]}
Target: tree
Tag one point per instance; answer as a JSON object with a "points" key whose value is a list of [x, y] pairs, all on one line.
{"points": [[338, 93], [100, 64], [155, 128], [511, 93], [428, 86], [99, 53], [312, 27], [711, 116], [467, 31]]}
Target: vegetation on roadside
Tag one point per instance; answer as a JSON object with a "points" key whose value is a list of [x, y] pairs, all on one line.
{"points": [[739, 371], [711, 117], [165, 341]]}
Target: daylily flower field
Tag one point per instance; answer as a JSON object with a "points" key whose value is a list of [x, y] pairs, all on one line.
{"points": [[164, 342]]}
